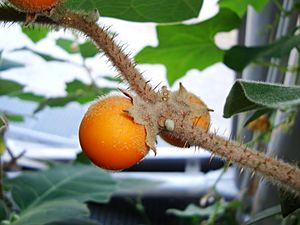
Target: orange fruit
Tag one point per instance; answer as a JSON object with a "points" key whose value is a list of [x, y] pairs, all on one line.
{"points": [[203, 122], [109, 136], [33, 6], [261, 124]]}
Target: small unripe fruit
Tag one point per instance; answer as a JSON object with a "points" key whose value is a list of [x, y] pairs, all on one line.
{"points": [[109, 136], [202, 121], [34, 6]]}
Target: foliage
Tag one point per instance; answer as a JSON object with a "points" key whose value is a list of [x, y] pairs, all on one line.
{"points": [[249, 95], [181, 47], [59, 193]]}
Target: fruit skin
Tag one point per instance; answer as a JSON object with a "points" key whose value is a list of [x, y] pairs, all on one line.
{"points": [[202, 121], [34, 6], [110, 137]]}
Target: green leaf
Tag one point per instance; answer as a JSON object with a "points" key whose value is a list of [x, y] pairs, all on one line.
{"points": [[75, 222], [35, 33], [240, 7], [114, 79], [238, 57], [77, 91], [51, 211], [192, 210], [46, 57], [289, 202], [68, 45], [184, 47], [77, 182], [9, 87], [270, 212], [88, 49], [82, 158], [28, 96], [56, 102], [141, 10], [250, 95], [6, 64], [15, 118]]}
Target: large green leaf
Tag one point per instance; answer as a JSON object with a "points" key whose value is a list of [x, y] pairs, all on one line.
{"points": [[141, 10], [240, 7], [35, 33], [238, 57], [250, 95], [77, 182], [51, 211], [184, 47]]}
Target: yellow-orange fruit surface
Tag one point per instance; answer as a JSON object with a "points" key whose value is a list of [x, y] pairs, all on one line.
{"points": [[109, 137], [33, 6], [203, 122]]}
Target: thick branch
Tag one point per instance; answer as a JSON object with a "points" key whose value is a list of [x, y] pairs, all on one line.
{"points": [[274, 170]]}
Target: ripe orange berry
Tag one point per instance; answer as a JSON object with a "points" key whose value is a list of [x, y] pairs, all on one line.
{"points": [[203, 122], [33, 6], [109, 137], [261, 124]]}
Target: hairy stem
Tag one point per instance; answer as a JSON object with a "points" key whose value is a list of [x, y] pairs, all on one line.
{"points": [[120, 60], [274, 170]]}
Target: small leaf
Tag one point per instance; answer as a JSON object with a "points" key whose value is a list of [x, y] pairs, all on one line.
{"points": [[238, 57], [51, 211], [9, 87], [269, 212], [142, 10], [82, 158], [114, 79], [240, 7], [57, 102], [250, 95], [28, 96], [35, 33], [88, 49], [185, 47], [6, 64], [46, 57], [68, 45], [15, 118]]}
